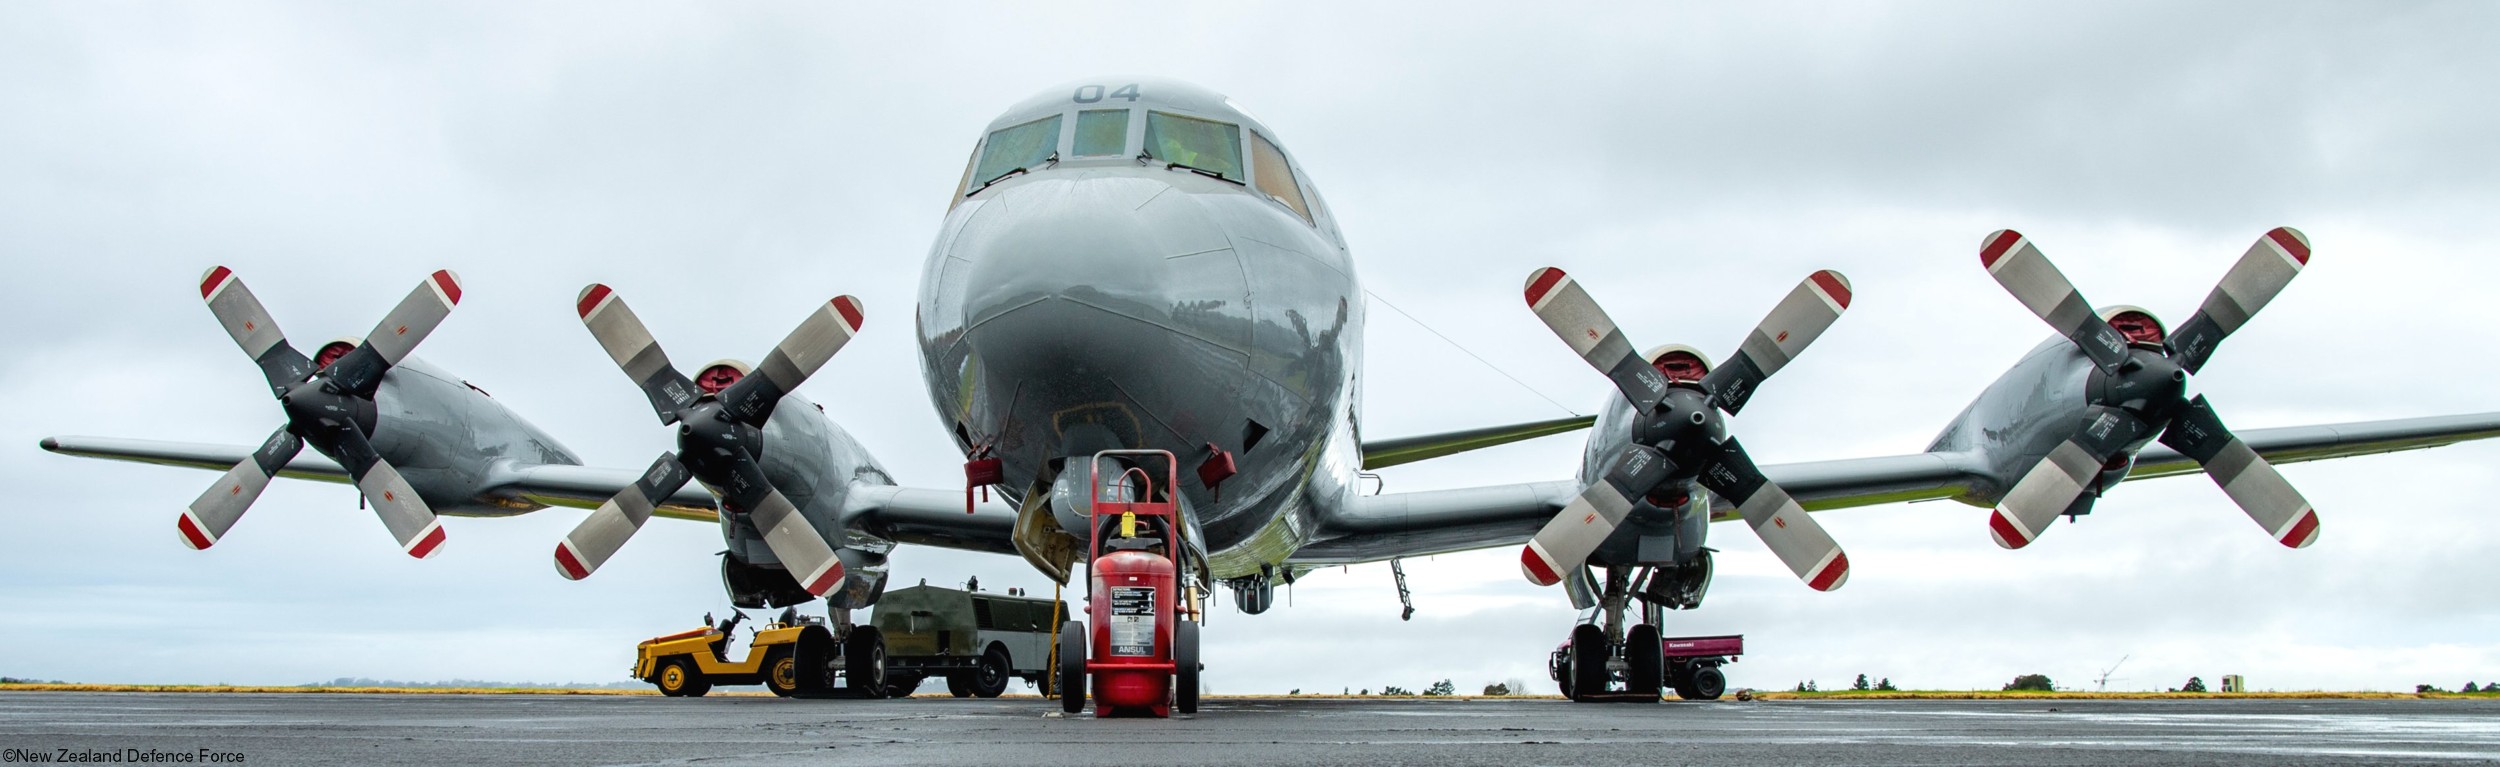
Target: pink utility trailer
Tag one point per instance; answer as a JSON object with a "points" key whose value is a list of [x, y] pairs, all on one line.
{"points": [[1690, 666], [1693, 664]]}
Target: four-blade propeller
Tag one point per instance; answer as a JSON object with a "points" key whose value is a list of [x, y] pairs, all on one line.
{"points": [[719, 439], [2138, 389], [1678, 433], [329, 407]]}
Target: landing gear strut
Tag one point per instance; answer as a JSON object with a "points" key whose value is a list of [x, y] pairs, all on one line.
{"points": [[1604, 659]]}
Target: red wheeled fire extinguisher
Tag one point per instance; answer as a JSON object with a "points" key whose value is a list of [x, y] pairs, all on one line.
{"points": [[1142, 655]]}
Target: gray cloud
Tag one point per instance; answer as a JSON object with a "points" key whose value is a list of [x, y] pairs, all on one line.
{"points": [[728, 167]]}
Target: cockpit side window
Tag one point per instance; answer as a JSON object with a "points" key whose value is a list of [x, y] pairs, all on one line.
{"points": [[1025, 146], [1101, 132], [1276, 176], [1206, 145]]}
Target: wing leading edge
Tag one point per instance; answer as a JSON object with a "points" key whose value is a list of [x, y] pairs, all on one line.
{"points": [[1395, 525]]}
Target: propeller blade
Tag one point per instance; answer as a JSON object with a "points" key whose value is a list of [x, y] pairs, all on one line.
{"points": [[393, 499], [217, 509], [751, 399], [2261, 273], [1800, 542], [605, 531], [399, 332], [1791, 326], [2053, 484], [1569, 538], [793, 539], [252, 328], [630, 344], [2018, 266], [2245, 476], [1579, 321]]}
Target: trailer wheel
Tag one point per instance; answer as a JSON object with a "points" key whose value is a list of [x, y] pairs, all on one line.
{"points": [[901, 684], [863, 661], [1588, 660], [959, 684], [1072, 639], [1708, 683], [989, 679], [781, 671], [678, 679], [1645, 661], [1185, 667]]}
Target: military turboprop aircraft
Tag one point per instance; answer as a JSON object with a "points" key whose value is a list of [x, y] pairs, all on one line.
{"points": [[1134, 263]]}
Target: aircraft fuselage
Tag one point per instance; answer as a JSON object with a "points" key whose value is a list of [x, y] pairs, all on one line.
{"points": [[1154, 295]]}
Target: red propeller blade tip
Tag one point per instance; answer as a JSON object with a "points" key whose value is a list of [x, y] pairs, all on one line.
{"points": [[824, 583], [848, 307], [1533, 564], [2304, 532], [428, 542], [1834, 285], [1997, 246], [2292, 243], [1832, 575], [449, 284], [590, 298], [216, 277], [1541, 282], [2008, 534], [568, 565], [192, 534]]}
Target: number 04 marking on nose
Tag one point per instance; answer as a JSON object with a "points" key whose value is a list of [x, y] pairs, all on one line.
{"points": [[1093, 93]]}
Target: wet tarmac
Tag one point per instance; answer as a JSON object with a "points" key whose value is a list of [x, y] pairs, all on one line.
{"points": [[283, 729]]}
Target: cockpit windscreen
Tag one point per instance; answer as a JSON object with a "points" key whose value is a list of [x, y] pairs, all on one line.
{"points": [[1024, 146], [1206, 145]]}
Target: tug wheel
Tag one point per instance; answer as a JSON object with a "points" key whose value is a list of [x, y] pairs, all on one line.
{"points": [[781, 672], [678, 680]]}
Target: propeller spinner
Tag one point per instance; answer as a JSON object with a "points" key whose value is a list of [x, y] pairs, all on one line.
{"points": [[328, 406], [1679, 433], [719, 437], [2138, 389]]}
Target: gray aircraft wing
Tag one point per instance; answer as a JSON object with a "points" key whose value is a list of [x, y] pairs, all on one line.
{"points": [[901, 514], [1441, 521], [1391, 452]]}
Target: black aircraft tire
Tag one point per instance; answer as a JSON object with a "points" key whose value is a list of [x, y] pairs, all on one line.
{"points": [[1072, 640], [1588, 660], [989, 679], [1185, 667], [781, 671], [1645, 662], [1708, 683], [863, 662]]}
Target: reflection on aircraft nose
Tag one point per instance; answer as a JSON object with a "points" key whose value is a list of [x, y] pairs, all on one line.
{"points": [[1114, 242], [1094, 292]]}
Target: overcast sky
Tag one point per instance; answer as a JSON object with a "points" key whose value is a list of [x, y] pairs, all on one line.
{"points": [[726, 165]]}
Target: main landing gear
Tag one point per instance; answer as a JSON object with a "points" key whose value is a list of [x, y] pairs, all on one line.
{"points": [[1606, 660]]}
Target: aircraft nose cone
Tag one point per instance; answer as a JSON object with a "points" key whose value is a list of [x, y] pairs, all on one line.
{"points": [[1098, 298], [1111, 242]]}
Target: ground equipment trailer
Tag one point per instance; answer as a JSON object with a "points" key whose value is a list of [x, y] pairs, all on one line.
{"points": [[1141, 658], [977, 640], [1690, 665], [794, 656]]}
